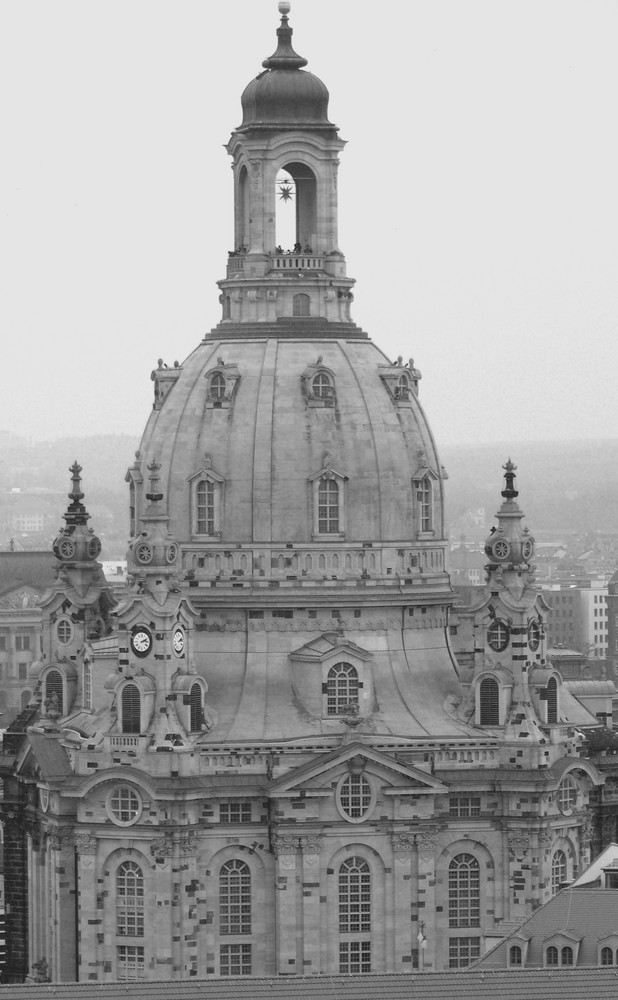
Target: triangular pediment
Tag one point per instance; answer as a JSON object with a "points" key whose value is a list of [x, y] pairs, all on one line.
{"points": [[405, 778], [327, 644]]}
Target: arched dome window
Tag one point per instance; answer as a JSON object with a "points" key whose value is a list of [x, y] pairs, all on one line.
{"points": [[489, 702], [301, 304], [205, 497], [558, 870], [341, 689], [217, 386], [54, 691], [322, 386], [552, 700], [498, 635], [402, 389], [131, 706], [87, 684], [132, 517], [328, 506], [196, 711], [423, 491]]}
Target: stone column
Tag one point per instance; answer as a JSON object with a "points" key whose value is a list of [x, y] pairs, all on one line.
{"points": [[402, 939], [90, 913], [309, 929], [285, 848], [63, 957], [427, 842], [161, 920]]}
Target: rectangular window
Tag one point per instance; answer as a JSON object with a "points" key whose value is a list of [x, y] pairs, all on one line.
{"points": [[328, 506], [462, 951], [282, 613], [3, 643], [22, 643], [354, 957], [87, 685], [424, 497], [235, 812], [464, 806], [23, 671], [205, 508], [130, 962], [235, 960]]}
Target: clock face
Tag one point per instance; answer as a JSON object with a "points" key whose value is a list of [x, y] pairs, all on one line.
{"points": [[141, 641], [178, 641]]}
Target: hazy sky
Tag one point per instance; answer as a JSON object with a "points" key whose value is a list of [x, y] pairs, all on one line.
{"points": [[478, 199]]}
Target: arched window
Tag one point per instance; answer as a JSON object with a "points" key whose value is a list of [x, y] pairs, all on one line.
{"points": [[196, 712], [552, 700], [567, 795], [54, 691], [489, 698], [464, 891], [515, 955], [424, 498], [551, 955], [217, 386], [131, 709], [235, 898], [130, 900], [341, 689], [328, 506], [227, 307], [322, 386], [607, 956], [205, 507], [355, 915], [132, 516], [402, 389], [566, 956], [558, 870], [64, 630], [87, 684], [301, 304]]}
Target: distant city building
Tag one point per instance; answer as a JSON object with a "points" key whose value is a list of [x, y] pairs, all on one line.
{"points": [[577, 617]]}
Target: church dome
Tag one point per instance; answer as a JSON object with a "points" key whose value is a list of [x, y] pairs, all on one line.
{"points": [[266, 423], [284, 94]]}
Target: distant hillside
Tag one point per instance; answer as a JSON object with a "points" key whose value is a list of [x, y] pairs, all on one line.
{"points": [[564, 487], [569, 486]]}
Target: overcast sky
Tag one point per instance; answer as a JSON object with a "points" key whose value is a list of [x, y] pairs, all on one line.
{"points": [[478, 199]]}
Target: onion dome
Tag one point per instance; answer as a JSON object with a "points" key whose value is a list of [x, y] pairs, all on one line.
{"points": [[76, 542], [284, 95]]}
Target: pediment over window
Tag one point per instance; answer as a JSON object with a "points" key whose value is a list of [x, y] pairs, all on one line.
{"points": [[326, 647], [423, 471], [398, 778]]}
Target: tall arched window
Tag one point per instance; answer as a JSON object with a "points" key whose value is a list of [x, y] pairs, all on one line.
{"points": [[355, 916], [328, 506], [235, 898], [402, 389], [87, 684], [301, 304], [54, 691], [341, 689], [558, 870], [205, 505], [552, 700], [566, 956], [424, 497], [227, 307], [131, 709], [464, 891], [132, 517], [129, 900], [551, 955], [489, 698], [196, 712], [607, 956]]}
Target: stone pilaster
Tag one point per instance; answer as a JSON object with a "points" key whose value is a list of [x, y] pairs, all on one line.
{"points": [[311, 847], [285, 848], [90, 909], [63, 953], [405, 884], [427, 843]]}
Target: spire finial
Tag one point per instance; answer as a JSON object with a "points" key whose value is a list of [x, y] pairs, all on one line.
{"points": [[285, 57], [76, 512], [509, 492], [154, 477]]}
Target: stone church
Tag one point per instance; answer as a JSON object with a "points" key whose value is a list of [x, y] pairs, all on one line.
{"points": [[265, 759]]}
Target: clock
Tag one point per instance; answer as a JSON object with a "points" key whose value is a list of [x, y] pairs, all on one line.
{"points": [[141, 641], [178, 641]]}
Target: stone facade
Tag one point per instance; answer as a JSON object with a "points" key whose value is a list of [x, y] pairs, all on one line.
{"points": [[264, 758]]}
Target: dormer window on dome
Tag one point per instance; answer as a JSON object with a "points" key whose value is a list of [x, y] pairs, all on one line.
{"points": [[221, 385], [328, 500], [423, 483], [319, 384], [401, 380]]}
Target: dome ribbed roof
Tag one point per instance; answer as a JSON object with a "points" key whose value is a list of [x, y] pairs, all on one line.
{"points": [[285, 94]]}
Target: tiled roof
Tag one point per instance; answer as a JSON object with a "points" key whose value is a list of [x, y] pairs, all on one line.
{"points": [[520, 984], [38, 569], [52, 758]]}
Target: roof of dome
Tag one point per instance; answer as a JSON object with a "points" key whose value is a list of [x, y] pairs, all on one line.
{"points": [[284, 94], [269, 439]]}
